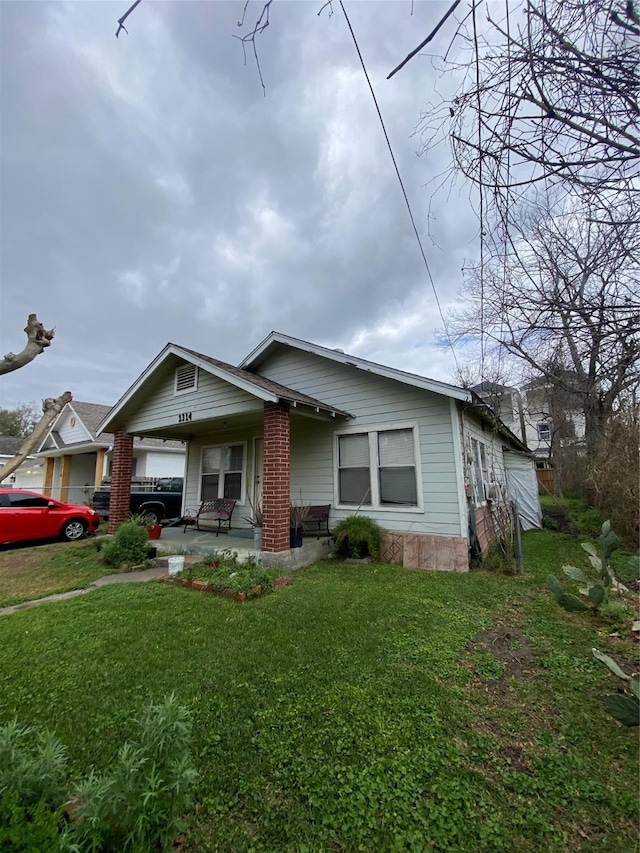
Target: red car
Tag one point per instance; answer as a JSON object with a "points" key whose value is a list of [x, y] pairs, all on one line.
{"points": [[28, 515]]}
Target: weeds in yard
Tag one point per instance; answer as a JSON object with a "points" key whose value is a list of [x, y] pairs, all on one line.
{"points": [[135, 807]]}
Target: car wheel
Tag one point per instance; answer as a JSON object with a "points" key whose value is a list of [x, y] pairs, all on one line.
{"points": [[73, 530], [151, 516]]}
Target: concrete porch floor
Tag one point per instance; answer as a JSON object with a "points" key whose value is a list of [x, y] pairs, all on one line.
{"points": [[176, 540]]}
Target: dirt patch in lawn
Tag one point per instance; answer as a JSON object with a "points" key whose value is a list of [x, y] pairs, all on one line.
{"points": [[509, 646]]}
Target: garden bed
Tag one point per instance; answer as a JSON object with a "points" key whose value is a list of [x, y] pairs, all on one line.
{"points": [[227, 577]]}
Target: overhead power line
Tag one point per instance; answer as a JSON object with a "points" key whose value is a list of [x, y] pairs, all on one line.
{"points": [[404, 192]]}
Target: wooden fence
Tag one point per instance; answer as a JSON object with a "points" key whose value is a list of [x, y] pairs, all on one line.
{"points": [[546, 480]]}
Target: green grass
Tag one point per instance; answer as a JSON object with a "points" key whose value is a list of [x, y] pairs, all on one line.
{"points": [[363, 708], [28, 573]]}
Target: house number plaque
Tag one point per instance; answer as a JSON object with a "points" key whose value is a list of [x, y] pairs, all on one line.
{"points": [[183, 417]]}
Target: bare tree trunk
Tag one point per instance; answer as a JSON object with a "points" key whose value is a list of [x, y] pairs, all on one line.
{"points": [[38, 338], [51, 408]]}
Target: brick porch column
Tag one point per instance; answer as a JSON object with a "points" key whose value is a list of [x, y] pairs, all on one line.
{"points": [[276, 488], [120, 479]]}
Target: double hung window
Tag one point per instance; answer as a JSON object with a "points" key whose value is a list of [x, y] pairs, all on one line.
{"points": [[222, 472], [377, 468]]}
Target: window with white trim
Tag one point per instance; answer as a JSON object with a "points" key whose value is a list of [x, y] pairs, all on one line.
{"points": [[479, 470], [377, 468], [223, 472], [544, 430], [186, 379]]}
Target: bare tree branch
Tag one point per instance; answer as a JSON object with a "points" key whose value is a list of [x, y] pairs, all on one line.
{"points": [[422, 44], [250, 38], [38, 338], [557, 103], [121, 20]]}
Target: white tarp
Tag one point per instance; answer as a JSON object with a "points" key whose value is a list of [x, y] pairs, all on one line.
{"points": [[522, 485]]}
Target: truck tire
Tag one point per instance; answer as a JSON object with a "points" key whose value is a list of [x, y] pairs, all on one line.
{"points": [[154, 512]]}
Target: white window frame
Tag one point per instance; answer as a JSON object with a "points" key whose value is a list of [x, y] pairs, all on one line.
{"points": [[478, 451], [547, 425], [178, 392], [243, 491], [372, 432]]}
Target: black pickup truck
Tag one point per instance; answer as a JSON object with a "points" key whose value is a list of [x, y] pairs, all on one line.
{"points": [[160, 499]]}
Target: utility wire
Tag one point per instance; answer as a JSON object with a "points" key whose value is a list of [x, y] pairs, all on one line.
{"points": [[404, 192]]}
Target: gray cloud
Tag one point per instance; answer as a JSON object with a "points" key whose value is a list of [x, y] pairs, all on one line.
{"points": [[151, 193]]}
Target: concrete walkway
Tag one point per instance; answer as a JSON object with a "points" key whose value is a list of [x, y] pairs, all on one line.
{"points": [[123, 577]]}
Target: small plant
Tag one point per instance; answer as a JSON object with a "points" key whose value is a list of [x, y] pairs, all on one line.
{"points": [[142, 519], [33, 770], [623, 707], [138, 806], [255, 519], [128, 545], [298, 514], [357, 536], [596, 591]]}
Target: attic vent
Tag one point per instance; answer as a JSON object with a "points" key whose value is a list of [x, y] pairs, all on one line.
{"points": [[186, 378]]}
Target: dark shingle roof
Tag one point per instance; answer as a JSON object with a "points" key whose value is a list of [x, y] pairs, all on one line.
{"points": [[10, 444]]}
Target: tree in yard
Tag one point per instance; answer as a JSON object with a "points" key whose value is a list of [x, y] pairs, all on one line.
{"points": [[563, 305], [19, 421], [549, 98]]}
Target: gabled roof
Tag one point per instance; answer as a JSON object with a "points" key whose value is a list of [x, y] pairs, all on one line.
{"points": [[91, 415], [257, 386], [277, 339]]}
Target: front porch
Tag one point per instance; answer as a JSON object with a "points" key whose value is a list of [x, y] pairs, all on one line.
{"points": [[177, 540]]}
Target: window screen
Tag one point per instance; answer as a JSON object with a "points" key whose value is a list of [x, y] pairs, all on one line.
{"points": [[222, 472], [397, 472], [354, 478]]}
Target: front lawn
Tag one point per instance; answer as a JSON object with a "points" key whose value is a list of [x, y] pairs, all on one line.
{"points": [[363, 708], [27, 573]]}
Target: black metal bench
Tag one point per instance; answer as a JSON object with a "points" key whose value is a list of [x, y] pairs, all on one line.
{"points": [[216, 511], [317, 520]]}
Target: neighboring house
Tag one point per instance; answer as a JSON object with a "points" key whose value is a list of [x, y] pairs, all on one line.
{"points": [[543, 416], [30, 474], [76, 459], [300, 422]]}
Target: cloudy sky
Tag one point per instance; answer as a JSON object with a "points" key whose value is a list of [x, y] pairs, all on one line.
{"points": [[151, 193]]}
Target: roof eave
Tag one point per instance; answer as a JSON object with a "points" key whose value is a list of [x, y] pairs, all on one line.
{"points": [[274, 338]]}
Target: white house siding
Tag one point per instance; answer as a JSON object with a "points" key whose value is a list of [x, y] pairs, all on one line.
{"points": [[30, 475], [213, 398], [374, 401], [472, 429], [81, 479], [72, 434]]}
